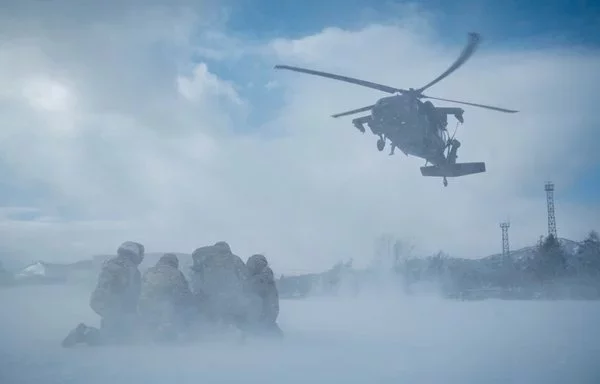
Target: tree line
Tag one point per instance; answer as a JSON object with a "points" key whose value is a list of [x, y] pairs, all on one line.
{"points": [[548, 270], [545, 271]]}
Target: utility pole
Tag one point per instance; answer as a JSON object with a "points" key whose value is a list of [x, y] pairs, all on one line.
{"points": [[549, 188], [505, 244]]}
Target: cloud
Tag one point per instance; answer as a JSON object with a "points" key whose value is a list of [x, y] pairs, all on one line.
{"points": [[204, 85], [126, 126]]}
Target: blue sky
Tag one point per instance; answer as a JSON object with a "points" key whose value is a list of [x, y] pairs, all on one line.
{"points": [[509, 24], [501, 22]]}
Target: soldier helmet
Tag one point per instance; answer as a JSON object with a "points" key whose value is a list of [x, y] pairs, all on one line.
{"points": [[257, 263], [169, 259], [222, 247], [131, 249]]}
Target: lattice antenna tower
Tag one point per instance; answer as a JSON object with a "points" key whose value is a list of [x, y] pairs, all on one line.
{"points": [[505, 245], [549, 188]]}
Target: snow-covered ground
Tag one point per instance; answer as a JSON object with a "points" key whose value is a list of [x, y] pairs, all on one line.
{"points": [[364, 340]]}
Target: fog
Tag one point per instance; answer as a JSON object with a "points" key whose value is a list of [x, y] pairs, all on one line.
{"points": [[164, 123], [374, 337]]}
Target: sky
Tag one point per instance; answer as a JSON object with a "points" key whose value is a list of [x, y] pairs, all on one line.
{"points": [[165, 123]]}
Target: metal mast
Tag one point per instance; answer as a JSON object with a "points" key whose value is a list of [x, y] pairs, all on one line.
{"points": [[505, 244], [549, 188]]}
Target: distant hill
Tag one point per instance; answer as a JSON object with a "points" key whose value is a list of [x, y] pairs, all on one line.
{"points": [[42, 272], [520, 257], [150, 259], [527, 253]]}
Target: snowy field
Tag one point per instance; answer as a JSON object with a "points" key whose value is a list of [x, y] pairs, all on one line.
{"points": [[363, 340]]}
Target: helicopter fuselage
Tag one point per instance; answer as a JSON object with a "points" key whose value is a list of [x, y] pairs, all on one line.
{"points": [[414, 127]]}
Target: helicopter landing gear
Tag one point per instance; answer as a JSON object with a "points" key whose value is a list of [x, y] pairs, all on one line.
{"points": [[380, 144]]}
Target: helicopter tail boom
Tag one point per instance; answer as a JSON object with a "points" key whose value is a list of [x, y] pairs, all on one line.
{"points": [[453, 170]]}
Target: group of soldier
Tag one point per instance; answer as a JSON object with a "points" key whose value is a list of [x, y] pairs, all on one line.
{"points": [[160, 305]]}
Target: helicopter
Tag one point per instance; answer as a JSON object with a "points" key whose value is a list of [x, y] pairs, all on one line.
{"points": [[415, 127]]}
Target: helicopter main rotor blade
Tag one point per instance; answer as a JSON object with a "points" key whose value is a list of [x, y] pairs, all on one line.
{"points": [[467, 52], [358, 110], [472, 104], [351, 80]]}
